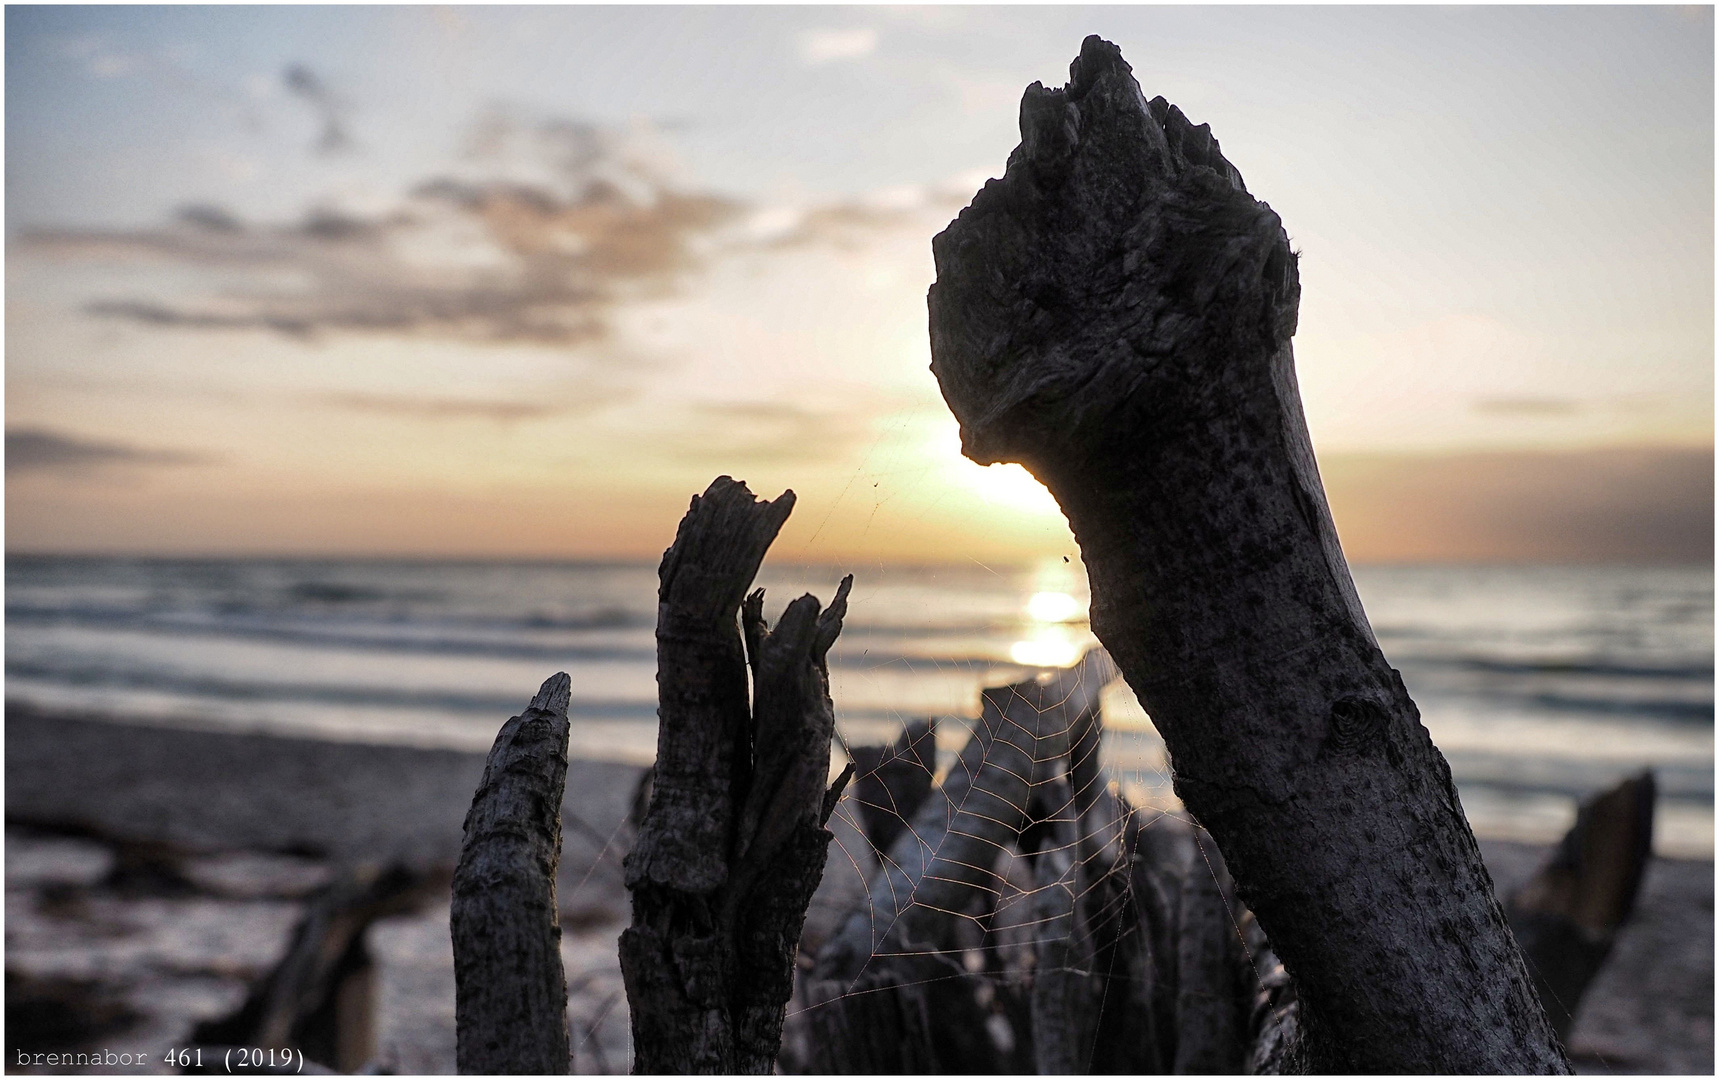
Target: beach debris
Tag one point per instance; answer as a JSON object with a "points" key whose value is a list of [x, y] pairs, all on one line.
{"points": [[320, 998], [1213, 991], [1567, 917], [733, 843], [510, 990], [937, 912], [892, 781], [1116, 313], [1124, 950]]}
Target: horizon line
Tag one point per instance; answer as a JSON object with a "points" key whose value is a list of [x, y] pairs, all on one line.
{"points": [[900, 564]]}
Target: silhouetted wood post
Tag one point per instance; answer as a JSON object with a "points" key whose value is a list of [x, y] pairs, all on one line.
{"points": [[510, 991], [1115, 313], [1569, 914], [733, 843]]}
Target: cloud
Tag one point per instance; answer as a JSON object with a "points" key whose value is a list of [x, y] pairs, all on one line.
{"points": [[764, 432], [330, 108], [847, 223], [1527, 406], [831, 44], [38, 450], [536, 236], [99, 59], [443, 408], [542, 259]]}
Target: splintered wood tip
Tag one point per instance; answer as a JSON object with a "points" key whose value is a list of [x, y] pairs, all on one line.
{"points": [[555, 694]]}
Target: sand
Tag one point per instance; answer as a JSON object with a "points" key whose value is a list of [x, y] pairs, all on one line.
{"points": [[250, 824]]}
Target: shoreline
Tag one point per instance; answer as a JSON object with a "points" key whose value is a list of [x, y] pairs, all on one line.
{"points": [[79, 789]]}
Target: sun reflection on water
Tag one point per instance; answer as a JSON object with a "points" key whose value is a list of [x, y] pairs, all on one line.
{"points": [[1049, 640], [1046, 646], [1052, 607]]}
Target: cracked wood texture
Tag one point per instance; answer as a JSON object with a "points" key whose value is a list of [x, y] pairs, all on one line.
{"points": [[733, 843], [1115, 313], [510, 992]]}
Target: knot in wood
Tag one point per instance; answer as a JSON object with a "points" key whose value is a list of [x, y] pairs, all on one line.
{"points": [[1356, 724]]}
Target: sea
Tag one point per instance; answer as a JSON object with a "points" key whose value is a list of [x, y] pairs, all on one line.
{"points": [[1541, 684]]}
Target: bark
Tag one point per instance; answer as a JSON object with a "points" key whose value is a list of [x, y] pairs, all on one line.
{"points": [[1126, 977], [733, 843], [1115, 313], [1567, 917], [1064, 993], [1273, 1025], [510, 989], [1211, 998], [874, 1026]]}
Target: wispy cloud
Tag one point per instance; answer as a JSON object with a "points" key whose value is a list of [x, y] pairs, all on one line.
{"points": [[536, 237], [1527, 406], [39, 450], [831, 44], [330, 107], [541, 259], [446, 408], [766, 432]]}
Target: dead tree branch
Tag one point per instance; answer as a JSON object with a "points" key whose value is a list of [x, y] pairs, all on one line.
{"points": [[1115, 313], [733, 843], [510, 988]]}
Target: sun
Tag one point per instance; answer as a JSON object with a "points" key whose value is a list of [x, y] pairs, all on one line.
{"points": [[1011, 486]]}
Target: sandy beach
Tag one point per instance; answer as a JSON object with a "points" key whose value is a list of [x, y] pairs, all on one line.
{"points": [[152, 873]]}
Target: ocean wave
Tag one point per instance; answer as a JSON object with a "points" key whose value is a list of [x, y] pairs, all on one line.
{"points": [[208, 687], [252, 619], [856, 648], [1695, 670], [1573, 777], [21, 676]]}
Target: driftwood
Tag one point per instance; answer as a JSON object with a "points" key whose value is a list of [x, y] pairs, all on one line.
{"points": [[320, 997], [1115, 313], [733, 842], [891, 782], [510, 988], [943, 864], [1026, 783], [1569, 914], [1212, 994]]}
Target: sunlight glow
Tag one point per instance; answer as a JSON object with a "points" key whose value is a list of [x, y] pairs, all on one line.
{"points": [[1012, 486], [1049, 646], [1052, 607]]}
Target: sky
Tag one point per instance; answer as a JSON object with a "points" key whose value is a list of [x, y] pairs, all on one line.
{"points": [[519, 281]]}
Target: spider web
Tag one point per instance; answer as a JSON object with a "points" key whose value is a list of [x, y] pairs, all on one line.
{"points": [[1010, 875]]}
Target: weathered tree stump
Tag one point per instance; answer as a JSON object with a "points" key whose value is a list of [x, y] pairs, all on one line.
{"points": [[1569, 915], [733, 843], [510, 989], [1212, 998], [1115, 313], [891, 782]]}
